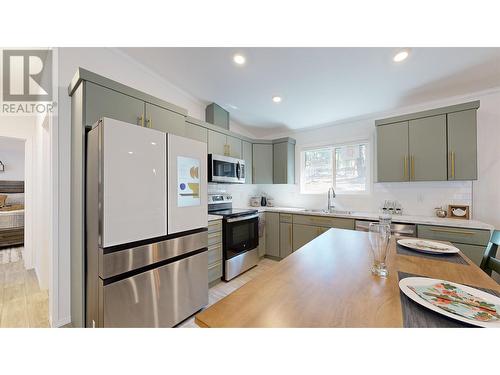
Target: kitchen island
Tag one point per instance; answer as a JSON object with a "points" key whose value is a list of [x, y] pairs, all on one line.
{"points": [[328, 283]]}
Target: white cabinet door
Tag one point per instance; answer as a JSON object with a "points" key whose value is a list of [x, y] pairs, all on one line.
{"points": [[134, 182], [187, 184]]}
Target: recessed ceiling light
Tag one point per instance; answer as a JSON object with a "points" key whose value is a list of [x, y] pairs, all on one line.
{"points": [[239, 59], [277, 99], [401, 55]]}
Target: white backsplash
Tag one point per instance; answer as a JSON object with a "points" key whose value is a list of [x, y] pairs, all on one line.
{"points": [[417, 198]]}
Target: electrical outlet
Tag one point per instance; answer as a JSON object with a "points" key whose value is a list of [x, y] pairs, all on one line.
{"points": [[420, 198]]}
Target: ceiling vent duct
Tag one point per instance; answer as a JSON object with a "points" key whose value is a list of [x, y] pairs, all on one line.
{"points": [[216, 115]]}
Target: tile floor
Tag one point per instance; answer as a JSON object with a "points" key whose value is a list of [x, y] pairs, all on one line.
{"points": [[223, 288], [22, 302]]}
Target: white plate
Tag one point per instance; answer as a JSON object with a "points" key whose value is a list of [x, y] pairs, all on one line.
{"points": [[404, 285], [435, 247]]}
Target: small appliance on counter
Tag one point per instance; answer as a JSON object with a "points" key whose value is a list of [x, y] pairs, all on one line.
{"points": [[270, 202], [255, 201], [240, 235], [263, 201], [441, 212]]}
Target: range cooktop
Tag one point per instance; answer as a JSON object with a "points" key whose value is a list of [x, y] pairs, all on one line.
{"points": [[232, 212]]}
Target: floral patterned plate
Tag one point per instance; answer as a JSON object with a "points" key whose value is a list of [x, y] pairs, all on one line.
{"points": [[456, 301]]}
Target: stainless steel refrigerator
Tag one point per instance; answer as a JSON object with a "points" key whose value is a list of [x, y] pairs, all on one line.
{"points": [[146, 226]]}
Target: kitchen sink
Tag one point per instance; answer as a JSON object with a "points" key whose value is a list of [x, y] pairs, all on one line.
{"points": [[333, 212]]}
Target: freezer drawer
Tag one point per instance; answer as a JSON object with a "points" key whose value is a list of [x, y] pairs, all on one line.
{"points": [[161, 297]]}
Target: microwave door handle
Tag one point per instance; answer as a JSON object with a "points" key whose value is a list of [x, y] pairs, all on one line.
{"points": [[238, 170]]}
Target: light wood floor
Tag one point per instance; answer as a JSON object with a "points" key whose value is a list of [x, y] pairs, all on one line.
{"points": [[223, 288], [22, 302]]}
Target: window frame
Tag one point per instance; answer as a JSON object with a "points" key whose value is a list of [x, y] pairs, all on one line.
{"points": [[332, 147]]}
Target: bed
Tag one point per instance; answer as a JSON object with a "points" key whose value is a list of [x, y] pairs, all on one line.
{"points": [[11, 213]]}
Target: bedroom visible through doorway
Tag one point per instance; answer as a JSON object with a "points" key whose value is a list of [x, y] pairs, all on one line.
{"points": [[23, 302]]}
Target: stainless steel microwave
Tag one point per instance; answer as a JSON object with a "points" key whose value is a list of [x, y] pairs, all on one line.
{"points": [[225, 169]]}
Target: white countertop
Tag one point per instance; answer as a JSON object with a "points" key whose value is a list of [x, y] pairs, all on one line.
{"points": [[214, 217], [431, 220]]}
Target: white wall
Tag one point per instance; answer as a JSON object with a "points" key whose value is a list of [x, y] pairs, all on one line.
{"points": [[12, 156]]}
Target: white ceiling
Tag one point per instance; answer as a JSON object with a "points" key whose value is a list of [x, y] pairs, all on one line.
{"points": [[320, 85]]}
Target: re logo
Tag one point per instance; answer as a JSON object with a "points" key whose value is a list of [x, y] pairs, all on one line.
{"points": [[27, 75]]}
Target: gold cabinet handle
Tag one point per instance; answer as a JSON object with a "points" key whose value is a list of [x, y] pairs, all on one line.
{"points": [[453, 231], [412, 167], [453, 165], [141, 120], [149, 122]]}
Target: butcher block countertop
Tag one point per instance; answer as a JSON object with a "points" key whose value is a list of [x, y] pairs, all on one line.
{"points": [[328, 283]]}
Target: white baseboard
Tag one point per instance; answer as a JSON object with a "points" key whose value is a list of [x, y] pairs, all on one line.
{"points": [[61, 322]]}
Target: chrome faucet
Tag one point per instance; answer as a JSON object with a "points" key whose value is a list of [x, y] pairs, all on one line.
{"points": [[331, 195]]}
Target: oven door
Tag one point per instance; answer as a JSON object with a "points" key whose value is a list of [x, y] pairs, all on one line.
{"points": [[240, 234]]}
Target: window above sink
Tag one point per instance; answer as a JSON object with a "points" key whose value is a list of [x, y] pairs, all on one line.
{"points": [[346, 167]]}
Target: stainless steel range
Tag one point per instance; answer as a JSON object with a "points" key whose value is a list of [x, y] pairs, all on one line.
{"points": [[240, 232]]}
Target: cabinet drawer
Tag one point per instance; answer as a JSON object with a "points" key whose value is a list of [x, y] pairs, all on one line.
{"points": [[473, 252], [452, 234], [323, 221], [214, 254], [214, 226], [214, 238], [286, 218], [214, 272]]}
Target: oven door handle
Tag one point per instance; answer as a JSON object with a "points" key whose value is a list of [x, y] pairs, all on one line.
{"points": [[241, 218]]}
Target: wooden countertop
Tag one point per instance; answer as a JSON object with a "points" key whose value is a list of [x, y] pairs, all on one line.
{"points": [[328, 283]]}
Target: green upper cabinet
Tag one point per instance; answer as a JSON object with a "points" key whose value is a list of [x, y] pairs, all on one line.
{"points": [[165, 120], [103, 102], [392, 152], [428, 161], [222, 144], [262, 163], [284, 163], [435, 145], [462, 145], [196, 132], [247, 155], [233, 146], [216, 143]]}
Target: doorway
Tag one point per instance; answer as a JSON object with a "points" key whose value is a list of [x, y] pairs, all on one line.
{"points": [[24, 253]]}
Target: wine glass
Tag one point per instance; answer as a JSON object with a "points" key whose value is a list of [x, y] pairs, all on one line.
{"points": [[379, 235]]}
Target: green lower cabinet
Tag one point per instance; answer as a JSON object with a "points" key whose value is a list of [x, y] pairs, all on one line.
{"points": [[472, 242], [286, 242], [303, 234], [273, 234], [262, 234], [473, 252], [214, 272]]}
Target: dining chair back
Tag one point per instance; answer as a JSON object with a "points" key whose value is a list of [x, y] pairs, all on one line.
{"points": [[490, 262]]}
